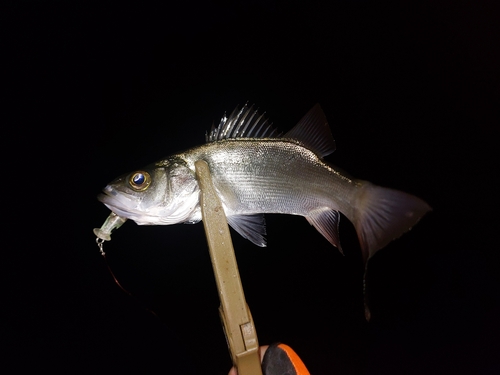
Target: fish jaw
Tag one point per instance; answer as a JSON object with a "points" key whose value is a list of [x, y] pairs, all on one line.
{"points": [[126, 206]]}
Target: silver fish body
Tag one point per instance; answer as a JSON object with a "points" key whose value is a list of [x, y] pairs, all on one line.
{"points": [[256, 172], [290, 179]]}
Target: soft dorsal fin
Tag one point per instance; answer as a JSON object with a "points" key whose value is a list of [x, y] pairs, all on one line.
{"points": [[246, 122], [313, 132]]}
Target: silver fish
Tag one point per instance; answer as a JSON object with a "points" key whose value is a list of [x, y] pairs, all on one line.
{"points": [[256, 171]]}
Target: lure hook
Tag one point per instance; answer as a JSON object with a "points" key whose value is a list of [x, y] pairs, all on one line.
{"points": [[100, 243]]}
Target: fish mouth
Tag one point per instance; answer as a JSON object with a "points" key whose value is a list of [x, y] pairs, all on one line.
{"points": [[114, 198], [117, 202], [124, 206]]}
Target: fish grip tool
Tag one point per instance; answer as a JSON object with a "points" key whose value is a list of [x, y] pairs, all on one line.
{"points": [[235, 314]]}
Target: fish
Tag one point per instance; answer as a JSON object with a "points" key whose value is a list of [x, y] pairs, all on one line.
{"points": [[256, 171]]}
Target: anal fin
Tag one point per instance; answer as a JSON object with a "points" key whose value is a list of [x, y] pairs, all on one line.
{"points": [[326, 221]]}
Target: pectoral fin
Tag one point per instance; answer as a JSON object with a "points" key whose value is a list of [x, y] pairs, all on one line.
{"points": [[251, 227], [326, 221]]}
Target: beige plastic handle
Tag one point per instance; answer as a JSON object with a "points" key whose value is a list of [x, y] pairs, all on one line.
{"points": [[237, 321]]}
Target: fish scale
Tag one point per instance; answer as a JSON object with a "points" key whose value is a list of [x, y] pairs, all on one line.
{"points": [[291, 178]]}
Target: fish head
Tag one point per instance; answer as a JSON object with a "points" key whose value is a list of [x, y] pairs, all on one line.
{"points": [[161, 194]]}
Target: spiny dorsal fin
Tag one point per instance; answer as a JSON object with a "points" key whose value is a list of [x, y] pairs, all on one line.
{"points": [[246, 122], [313, 132]]}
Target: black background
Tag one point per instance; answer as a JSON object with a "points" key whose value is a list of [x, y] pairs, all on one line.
{"points": [[97, 89]]}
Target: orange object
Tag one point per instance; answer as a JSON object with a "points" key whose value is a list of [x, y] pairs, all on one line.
{"points": [[281, 359]]}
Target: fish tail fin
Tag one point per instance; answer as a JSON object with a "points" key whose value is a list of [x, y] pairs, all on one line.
{"points": [[384, 214]]}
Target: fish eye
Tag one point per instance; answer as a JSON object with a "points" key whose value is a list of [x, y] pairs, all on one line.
{"points": [[140, 180]]}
